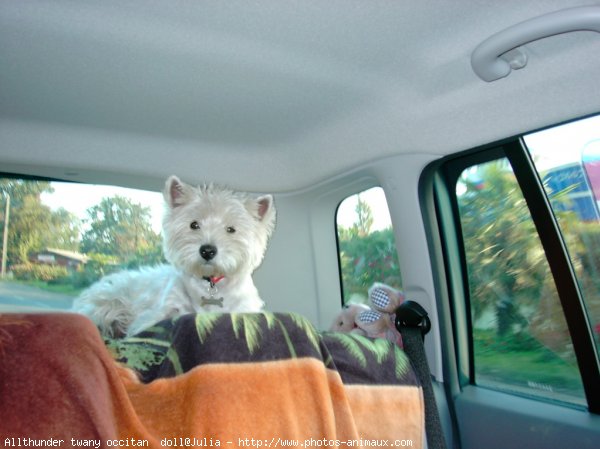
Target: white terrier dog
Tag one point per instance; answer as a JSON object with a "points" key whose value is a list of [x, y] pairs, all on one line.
{"points": [[214, 239]]}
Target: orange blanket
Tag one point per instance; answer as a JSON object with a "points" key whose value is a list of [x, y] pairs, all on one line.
{"points": [[245, 381]]}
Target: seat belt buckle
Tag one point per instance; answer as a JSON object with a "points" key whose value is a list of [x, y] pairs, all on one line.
{"points": [[412, 314]]}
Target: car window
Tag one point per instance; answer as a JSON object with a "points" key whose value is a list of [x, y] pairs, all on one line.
{"points": [[520, 340], [366, 245], [568, 160], [59, 237]]}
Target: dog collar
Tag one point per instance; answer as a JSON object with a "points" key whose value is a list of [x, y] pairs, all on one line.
{"points": [[213, 280], [212, 292]]}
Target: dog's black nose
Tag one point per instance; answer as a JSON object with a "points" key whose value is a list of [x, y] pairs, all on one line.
{"points": [[208, 252]]}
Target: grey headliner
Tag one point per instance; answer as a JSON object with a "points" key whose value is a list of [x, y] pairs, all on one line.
{"points": [[268, 95]]}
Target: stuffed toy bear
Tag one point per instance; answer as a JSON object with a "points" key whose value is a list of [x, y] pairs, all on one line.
{"points": [[385, 298], [376, 320], [345, 321]]}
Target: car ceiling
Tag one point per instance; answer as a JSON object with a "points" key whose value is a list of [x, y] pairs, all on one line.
{"points": [[269, 95]]}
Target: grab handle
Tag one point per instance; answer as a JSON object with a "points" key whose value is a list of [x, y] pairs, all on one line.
{"points": [[487, 59]]}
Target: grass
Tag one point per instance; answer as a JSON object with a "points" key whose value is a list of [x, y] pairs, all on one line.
{"points": [[65, 289], [532, 367]]}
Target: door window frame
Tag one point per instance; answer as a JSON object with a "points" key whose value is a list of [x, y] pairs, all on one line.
{"points": [[447, 173]]}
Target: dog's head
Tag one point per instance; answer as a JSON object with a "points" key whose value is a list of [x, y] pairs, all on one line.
{"points": [[214, 231]]}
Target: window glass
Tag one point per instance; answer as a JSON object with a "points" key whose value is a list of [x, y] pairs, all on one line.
{"points": [[568, 159], [58, 238], [520, 338], [366, 244]]}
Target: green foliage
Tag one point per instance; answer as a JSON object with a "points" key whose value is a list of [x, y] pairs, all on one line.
{"points": [[64, 230], [527, 344], [489, 342], [520, 360], [97, 266], [583, 243], [147, 255], [506, 266], [118, 227], [364, 218], [32, 272], [120, 235], [27, 217], [33, 226], [366, 259]]}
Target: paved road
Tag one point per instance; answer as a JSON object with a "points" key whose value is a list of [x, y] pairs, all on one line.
{"points": [[18, 297]]}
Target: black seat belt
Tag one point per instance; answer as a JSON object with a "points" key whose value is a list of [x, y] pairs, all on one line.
{"points": [[413, 323]]}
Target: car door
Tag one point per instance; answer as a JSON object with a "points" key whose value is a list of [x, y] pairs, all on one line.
{"points": [[515, 238]]}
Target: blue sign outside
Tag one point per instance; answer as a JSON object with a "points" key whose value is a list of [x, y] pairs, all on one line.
{"points": [[580, 198]]}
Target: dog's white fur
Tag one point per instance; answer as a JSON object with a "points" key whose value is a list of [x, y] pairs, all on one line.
{"points": [[234, 224]]}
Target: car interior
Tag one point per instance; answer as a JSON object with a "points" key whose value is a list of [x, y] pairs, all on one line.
{"points": [[446, 151]]}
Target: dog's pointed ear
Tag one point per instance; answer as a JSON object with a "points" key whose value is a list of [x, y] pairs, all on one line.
{"points": [[265, 205], [265, 210], [261, 208], [176, 192]]}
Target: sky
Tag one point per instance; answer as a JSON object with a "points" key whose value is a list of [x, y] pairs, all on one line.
{"points": [[375, 198], [564, 144], [77, 198]]}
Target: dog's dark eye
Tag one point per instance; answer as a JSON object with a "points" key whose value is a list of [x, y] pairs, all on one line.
{"points": [[230, 229], [195, 225]]}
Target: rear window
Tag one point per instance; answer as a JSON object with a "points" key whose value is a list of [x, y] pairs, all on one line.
{"points": [[366, 245], [59, 237]]}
